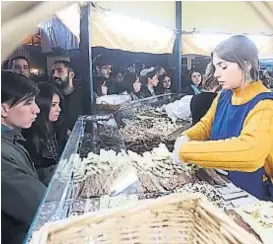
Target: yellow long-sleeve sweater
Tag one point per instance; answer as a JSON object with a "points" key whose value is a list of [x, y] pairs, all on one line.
{"points": [[248, 152]]}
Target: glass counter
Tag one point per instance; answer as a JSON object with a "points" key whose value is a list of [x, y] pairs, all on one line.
{"points": [[90, 134]]}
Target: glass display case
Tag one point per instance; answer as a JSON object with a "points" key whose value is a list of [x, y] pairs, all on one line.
{"points": [[99, 134]]}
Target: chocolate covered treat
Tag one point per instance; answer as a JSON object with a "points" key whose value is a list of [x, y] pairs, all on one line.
{"points": [[95, 174], [210, 176], [146, 133]]}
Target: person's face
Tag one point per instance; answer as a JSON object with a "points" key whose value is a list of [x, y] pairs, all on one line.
{"points": [[196, 78], [105, 71], [119, 77], [55, 109], [229, 75], [167, 82], [22, 115], [61, 75], [137, 86], [154, 81], [20, 66]]}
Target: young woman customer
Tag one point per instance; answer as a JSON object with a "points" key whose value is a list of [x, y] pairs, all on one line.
{"points": [[131, 85], [149, 80], [47, 137]]}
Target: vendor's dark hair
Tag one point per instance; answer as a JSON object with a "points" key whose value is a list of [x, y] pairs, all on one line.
{"points": [[16, 88], [16, 58], [240, 49], [42, 127]]}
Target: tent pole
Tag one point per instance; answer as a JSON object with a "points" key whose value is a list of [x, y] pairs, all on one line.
{"points": [[178, 51], [86, 57]]}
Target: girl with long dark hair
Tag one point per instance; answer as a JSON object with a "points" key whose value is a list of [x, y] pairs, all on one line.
{"points": [[46, 138], [132, 85], [164, 85]]}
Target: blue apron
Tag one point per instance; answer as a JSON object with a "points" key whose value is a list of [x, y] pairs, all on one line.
{"points": [[228, 122]]}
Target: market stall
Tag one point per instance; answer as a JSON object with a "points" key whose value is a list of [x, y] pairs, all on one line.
{"points": [[125, 157], [136, 141]]}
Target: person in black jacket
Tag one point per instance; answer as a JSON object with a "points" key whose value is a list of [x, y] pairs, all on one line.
{"points": [[195, 81], [22, 191], [200, 103], [114, 84], [149, 80], [101, 74], [47, 136], [131, 85], [63, 77], [164, 85]]}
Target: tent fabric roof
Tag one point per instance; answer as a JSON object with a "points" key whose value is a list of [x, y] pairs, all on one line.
{"points": [[249, 17], [139, 26], [205, 17], [26, 14]]}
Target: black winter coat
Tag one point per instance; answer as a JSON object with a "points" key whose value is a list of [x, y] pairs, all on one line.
{"points": [[22, 191]]}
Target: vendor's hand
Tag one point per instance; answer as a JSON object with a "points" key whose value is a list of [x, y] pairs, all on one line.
{"points": [[180, 141]]}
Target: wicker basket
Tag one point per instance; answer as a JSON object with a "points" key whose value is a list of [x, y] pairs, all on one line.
{"points": [[177, 218]]}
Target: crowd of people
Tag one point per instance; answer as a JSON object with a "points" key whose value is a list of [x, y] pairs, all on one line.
{"points": [[231, 110], [35, 127], [138, 83]]}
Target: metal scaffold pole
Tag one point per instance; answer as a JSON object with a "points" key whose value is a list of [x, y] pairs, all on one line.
{"points": [[86, 57], [178, 45]]}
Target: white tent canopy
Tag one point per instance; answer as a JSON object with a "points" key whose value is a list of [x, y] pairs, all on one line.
{"points": [[249, 17], [140, 26], [150, 26], [19, 19]]}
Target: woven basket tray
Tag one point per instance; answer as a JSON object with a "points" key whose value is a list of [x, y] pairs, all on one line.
{"points": [[177, 218]]}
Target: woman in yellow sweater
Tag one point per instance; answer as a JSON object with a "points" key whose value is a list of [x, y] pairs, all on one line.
{"points": [[236, 134]]}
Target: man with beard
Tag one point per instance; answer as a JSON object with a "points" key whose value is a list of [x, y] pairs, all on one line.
{"points": [[63, 76], [103, 70]]}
